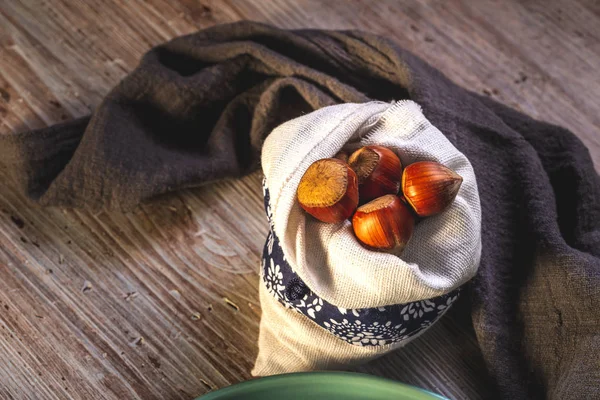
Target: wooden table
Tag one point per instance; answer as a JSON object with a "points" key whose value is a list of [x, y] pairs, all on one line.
{"points": [[140, 306]]}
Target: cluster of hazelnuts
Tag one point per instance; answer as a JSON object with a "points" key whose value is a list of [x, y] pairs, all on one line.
{"points": [[390, 197]]}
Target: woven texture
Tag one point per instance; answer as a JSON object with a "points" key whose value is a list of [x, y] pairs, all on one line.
{"points": [[374, 326], [290, 342], [443, 253], [445, 249]]}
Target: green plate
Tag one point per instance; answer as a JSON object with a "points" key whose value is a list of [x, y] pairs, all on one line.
{"points": [[321, 385]]}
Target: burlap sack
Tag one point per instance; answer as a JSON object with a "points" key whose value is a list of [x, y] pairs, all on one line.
{"points": [[329, 302]]}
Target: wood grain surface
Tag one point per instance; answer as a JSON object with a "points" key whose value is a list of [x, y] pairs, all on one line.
{"points": [[162, 303]]}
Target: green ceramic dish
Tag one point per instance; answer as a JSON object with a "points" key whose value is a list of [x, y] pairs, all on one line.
{"points": [[321, 385]]}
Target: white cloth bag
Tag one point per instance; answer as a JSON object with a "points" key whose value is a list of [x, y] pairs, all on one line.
{"points": [[356, 304]]}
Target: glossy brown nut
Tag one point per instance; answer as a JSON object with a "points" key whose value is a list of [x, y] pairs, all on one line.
{"points": [[328, 190], [429, 187], [385, 223], [379, 172]]}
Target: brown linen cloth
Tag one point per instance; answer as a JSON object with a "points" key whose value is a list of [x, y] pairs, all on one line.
{"points": [[198, 108]]}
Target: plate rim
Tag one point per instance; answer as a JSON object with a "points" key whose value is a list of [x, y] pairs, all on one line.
{"points": [[242, 387]]}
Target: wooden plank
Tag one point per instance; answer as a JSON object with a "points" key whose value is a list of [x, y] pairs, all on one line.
{"points": [[106, 281], [116, 306]]}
